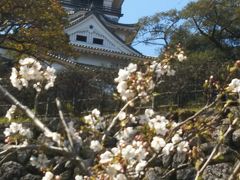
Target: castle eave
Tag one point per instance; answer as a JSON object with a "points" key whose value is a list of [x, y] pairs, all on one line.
{"points": [[111, 53]]}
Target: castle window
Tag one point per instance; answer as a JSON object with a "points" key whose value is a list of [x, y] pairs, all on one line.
{"points": [[81, 38], [97, 41]]}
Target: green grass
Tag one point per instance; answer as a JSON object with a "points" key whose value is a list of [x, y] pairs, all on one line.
{"points": [[17, 120], [191, 109]]}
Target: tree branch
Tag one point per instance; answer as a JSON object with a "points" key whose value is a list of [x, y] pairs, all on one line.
{"points": [[215, 149], [29, 113], [66, 128], [235, 172], [115, 119]]}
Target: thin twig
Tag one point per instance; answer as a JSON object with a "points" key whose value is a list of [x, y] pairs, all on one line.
{"points": [[155, 155], [115, 119], [196, 114], [6, 157], [193, 117], [41, 126], [30, 114], [174, 170], [46, 149], [235, 172], [66, 128], [215, 149], [58, 150]]}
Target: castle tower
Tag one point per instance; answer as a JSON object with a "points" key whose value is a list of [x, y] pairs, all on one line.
{"points": [[110, 8], [94, 30]]}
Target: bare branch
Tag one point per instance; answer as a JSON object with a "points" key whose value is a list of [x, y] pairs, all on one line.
{"points": [[235, 172], [40, 125], [54, 149], [174, 170], [66, 128], [30, 114], [215, 149], [196, 114], [115, 119]]}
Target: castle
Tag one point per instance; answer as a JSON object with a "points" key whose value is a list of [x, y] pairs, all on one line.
{"points": [[94, 30]]}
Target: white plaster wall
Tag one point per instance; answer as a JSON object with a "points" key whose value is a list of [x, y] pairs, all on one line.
{"points": [[108, 3], [101, 61], [58, 67]]}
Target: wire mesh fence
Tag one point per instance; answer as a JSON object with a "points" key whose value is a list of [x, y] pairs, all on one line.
{"points": [[80, 103], [105, 104]]}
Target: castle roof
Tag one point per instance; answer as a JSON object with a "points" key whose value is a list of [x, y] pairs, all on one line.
{"points": [[130, 30]]}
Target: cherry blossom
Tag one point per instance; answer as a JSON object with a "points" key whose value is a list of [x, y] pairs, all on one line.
{"points": [[78, 177], [158, 143], [106, 157], [31, 70], [183, 146], [10, 113], [234, 86], [176, 139], [168, 148], [140, 166], [41, 161], [16, 128], [122, 116], [96, 146], [48, 176], [181, 57], [120, 177]]}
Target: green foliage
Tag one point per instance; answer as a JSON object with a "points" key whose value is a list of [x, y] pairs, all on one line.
{"points": [[17, 120], [209, 34], [33, 27]]}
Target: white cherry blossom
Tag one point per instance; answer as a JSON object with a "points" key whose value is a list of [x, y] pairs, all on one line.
{"points": [[122, 87], [122, 75], [158, 143], [132, 67], [183, 146], [78, 177], [140, 166], [48, 176], [15, 128], [96, 113], [149, 113], [168, 148], [106, 157], [96, 146], [31, 70], [122, 116], [176, 139], [10, 113], [113, 169], [39, 162], [234, 86], [120, 177], [128, 152], [126, 133], [181, 57], [160, 128]]}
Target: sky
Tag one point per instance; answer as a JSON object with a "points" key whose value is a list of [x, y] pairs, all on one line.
{"points": [[135, 9]]}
